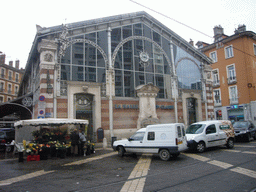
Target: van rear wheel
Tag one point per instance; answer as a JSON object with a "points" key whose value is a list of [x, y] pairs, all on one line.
{"points": [[120, 151], [230, 143], [164, 154]]}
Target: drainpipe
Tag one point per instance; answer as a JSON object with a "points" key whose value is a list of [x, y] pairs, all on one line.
{"points": [[54, 92], [204, 92], [110, 84], [175, 94]]}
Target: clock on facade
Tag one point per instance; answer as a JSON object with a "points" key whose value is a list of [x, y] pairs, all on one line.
{"points": [[144, 57]]}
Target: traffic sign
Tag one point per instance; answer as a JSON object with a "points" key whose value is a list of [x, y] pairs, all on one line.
{"points": [[41, 98]]}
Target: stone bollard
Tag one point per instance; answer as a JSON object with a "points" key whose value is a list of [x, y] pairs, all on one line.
{"points": [[105, 143]]}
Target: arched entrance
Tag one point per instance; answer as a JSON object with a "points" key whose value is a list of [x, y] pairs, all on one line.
{"points": [[84, 110]]}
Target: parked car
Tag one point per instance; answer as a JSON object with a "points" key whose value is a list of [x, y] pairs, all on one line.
{"points": [[204, 134], [164, 139], [6, 137], [245, 130]]}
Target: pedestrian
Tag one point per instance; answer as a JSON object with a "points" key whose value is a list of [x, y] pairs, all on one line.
{"points": [[82, 140], [74, 142]]}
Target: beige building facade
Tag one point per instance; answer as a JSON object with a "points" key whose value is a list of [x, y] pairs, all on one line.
{"points": [[233, 75]]}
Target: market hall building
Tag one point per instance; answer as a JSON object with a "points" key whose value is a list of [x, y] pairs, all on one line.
{"points": [[121, 73]]}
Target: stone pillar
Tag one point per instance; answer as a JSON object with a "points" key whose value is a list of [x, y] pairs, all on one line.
{"points": [[48, 51], [174, 83], [207, 92], [147, 105]]}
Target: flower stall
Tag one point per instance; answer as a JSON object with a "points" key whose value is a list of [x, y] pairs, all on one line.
{"points": [[43, 138]]}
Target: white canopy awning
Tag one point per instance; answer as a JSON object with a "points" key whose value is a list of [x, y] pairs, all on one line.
{"points": [[50, 122]]}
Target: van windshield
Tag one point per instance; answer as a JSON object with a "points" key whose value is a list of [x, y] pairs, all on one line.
{"points": [[195, 129], [137, 136]]}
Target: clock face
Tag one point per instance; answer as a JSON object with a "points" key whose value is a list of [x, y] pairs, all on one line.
{"points": [[144, 57]]}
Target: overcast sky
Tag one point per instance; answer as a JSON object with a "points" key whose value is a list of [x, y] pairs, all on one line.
{"points": [[19, 18]]}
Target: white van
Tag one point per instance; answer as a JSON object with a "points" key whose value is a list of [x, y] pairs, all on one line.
{"points": [[204, 134], [164, 139]]}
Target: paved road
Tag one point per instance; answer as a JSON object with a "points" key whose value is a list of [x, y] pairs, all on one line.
{"points": [[218, 169]]}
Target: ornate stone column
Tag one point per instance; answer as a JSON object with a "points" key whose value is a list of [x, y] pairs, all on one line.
{"points": [[147, 105], [48, 51], [207, 91]]}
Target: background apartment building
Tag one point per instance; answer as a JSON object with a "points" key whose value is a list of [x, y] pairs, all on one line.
{"points": [[234, 73], [10, 78]]}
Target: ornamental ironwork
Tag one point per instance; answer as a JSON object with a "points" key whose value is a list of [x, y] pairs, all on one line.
{"points": [[64, 43], [141, 38]]}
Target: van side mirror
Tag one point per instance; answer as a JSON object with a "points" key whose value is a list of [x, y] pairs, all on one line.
{"points": [[130, 139]]}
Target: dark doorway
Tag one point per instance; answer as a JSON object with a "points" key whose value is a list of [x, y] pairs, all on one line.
{"points": [[191, 108], [84, 110]]}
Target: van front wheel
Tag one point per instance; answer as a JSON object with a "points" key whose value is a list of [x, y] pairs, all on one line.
{"points": [[200, 147], [164, 154], [120, 151]]}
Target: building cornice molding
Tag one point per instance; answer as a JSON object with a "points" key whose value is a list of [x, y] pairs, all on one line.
{"points": [[229, 39]]}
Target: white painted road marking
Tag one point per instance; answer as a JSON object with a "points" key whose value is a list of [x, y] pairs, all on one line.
{"points": [[140, 171], [245, 146], [247, 172], [198, 157], [90, 159], [220, 164], [42, 172], [24, 177], [249, 152], [244, 171], [229, 150]]}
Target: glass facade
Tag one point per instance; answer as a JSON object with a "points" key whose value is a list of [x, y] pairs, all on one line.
{"points": [[84, 62], [188, 70]]}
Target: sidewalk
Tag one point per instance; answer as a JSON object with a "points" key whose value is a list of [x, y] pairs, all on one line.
{"points": [[98, 151]]}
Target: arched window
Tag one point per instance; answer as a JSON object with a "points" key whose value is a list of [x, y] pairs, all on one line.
{"points": [[189, 75]]}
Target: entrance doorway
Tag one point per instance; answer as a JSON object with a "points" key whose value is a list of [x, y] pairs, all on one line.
{"points": [[84, 110], [191, 108]]}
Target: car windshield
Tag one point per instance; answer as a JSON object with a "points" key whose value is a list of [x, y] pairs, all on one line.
{"points": [[137, 136], [195, 129], [240, 124]]}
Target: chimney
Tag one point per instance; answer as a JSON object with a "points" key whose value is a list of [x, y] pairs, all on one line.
{"points": [[191, 42], [240, 29], [218, 32], [17, 64], [2, 58], [11, 63]]}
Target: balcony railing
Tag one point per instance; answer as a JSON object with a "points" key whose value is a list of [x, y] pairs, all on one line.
{"points": [[216, 83], [217, 103], [233, 101], [1, 90], [231, 80]]}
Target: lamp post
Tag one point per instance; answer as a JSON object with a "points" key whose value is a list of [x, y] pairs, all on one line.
{"points": [[110, 85]]}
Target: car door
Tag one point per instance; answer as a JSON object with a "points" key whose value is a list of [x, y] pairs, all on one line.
{"points": [[224, 132], [252, 130], [212, 136], [135, 143], [182, 140]]}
